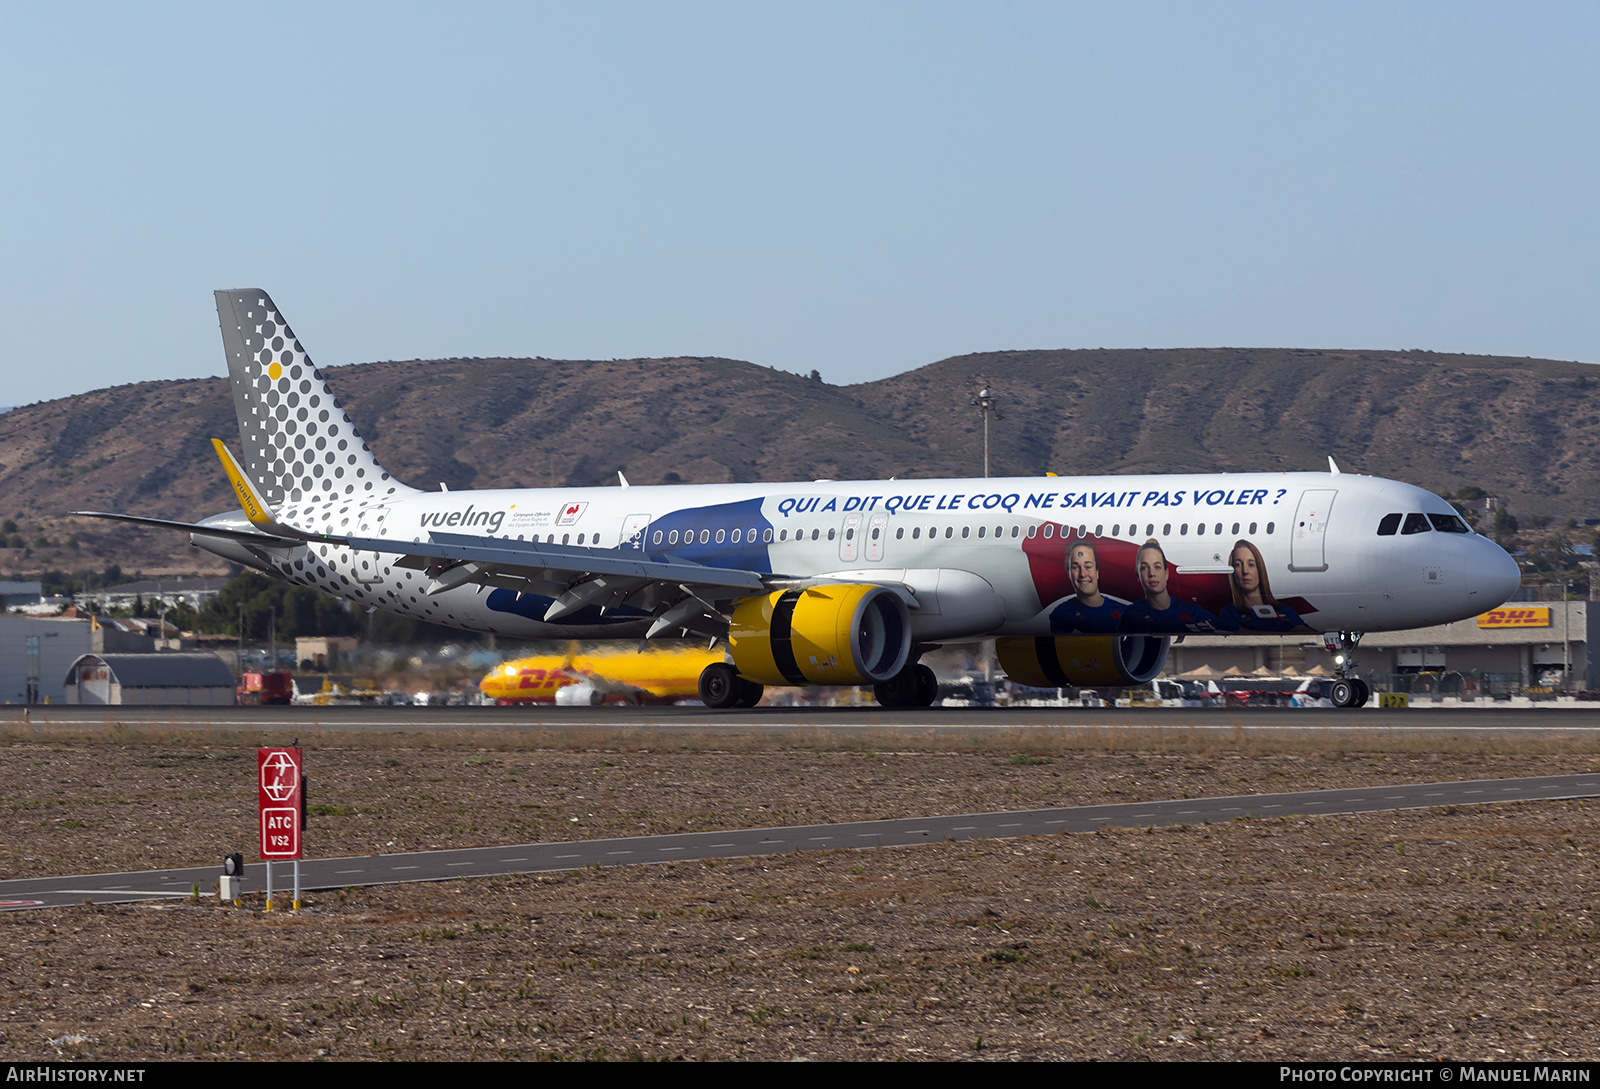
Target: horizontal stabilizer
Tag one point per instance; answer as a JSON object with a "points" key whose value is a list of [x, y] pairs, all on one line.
{"points": [[271, 540]]}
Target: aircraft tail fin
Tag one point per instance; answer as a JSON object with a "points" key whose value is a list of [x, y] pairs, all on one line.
{"points": [[299, 444]]}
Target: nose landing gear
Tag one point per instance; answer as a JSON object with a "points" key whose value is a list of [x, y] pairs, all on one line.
{"points": [[1347, 691]]}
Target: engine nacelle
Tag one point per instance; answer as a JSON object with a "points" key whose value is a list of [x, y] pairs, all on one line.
{"points": [[833, 634], [1083, 661]]}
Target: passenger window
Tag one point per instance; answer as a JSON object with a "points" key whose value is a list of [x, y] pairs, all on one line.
{"points": [[1270, 527], [1016, 531], [580, 538], [949, 531], [1253, 528], [816, 533], [899, 533], [736, 536], [566, 538], [849, 535], [1099, 531], [722, 535], [1049, 530], [1031, 531], [705, 536], [1219, 529], [1235, 529], [1183, 530], [1415, 523], [1166, 530], [830, 534], [766, 536], [966, 531], [672, 538], [1390, 525], [657, 538], [1200, 530], [875, 533], [1448, 523], [980, 531], [916, 533]]}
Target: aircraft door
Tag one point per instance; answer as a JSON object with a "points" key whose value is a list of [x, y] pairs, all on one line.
{"points": [[1309, 534], [633, 527], [877, 529], [850, 538]]}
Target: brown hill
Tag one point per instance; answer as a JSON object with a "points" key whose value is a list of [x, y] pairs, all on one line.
{"points": [[1521, 428]]}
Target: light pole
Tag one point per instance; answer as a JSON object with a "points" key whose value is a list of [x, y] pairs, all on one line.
{"points": [[987, 405]]}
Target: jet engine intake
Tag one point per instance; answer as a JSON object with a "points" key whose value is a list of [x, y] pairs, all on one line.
{"points": [[1083, 661], [847, 633]]}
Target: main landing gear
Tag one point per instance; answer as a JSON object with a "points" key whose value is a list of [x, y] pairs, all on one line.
{"points": [[1346, 691], [913, 686], [721, 687]]}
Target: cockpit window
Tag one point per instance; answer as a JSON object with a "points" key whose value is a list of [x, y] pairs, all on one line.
{"points": [[1390, 525], [1448, 523], [1415, 523]]}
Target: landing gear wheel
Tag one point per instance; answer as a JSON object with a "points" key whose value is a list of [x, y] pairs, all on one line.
{"points": [[720, 686], [1341, 693], [1363, 693], [913, 686], [750, 693], [897, 691]]}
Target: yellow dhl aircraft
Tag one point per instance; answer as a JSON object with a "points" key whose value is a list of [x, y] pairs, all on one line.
{"points": [[604, 673]]}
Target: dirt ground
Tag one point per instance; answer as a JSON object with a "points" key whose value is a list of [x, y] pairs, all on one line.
{"points": [[1462, 933]]}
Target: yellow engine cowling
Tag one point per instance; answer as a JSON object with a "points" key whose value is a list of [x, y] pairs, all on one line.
{"points": [[836, 634], [1082, 661]]}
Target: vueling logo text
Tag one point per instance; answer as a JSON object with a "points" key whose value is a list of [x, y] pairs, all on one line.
{"points": [[469, 517]]}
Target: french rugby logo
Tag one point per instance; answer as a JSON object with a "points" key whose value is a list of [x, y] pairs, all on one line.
{"points": [[570, 513]]}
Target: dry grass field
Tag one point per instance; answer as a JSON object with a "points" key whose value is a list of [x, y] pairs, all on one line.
{"points": [[1463, 933]]}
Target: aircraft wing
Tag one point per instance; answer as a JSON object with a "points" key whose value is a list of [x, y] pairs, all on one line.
{"points": [[535, 559]]}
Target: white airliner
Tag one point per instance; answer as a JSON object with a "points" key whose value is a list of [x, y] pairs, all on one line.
{"points": [[1081, 580]]}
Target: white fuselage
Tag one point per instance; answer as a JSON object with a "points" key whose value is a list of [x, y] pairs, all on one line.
{"points": [[973, 553]]}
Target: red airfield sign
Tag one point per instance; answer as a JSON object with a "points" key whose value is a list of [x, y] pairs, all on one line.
{"points": [[279, 783]]}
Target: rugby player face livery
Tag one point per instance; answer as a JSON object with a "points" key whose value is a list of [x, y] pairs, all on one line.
{"points": [[1085, 572], [1245, 574], [1152, 572], [821, 582]]}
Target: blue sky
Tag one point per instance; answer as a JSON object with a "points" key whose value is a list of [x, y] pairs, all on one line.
{"points": [[859, 188]]}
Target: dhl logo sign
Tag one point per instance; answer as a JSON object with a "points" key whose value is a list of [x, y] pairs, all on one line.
{"points": [[1525, 616]]}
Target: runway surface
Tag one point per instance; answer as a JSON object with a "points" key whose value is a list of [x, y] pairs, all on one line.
{"points": [[1488, 718], [333, 873]]}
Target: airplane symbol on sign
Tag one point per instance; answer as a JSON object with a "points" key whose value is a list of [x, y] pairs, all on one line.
{"points": [[279, 776]]}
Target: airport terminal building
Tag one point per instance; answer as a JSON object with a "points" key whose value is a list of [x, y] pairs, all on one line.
{"points": [[1520, 645]]}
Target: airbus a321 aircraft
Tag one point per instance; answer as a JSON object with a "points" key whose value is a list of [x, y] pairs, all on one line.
{"points": [[1083, 581]]}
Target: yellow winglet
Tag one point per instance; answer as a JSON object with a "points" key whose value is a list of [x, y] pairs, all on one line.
{"points": [[255, 508]]}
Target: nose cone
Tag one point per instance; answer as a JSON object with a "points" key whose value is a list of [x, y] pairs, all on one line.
{"points": [[1499, 576]]}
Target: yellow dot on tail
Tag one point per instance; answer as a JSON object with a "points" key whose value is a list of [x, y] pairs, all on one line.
{"points": [[274, 371]]}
